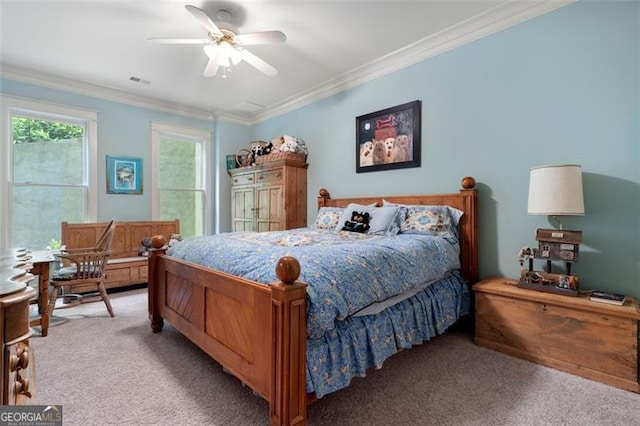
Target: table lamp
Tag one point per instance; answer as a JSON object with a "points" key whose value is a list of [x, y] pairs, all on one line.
{"points": [[556, 191]]}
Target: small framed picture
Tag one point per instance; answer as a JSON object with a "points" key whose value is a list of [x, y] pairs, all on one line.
{"points": [[389, 138], [231, 162], [124, 175]]}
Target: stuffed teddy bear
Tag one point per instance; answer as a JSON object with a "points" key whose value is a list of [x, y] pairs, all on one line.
{"points": [[289, 144], [257, 150], [262, 149], [175, 239], [267, 149], [359, 222], [147, 244], [286, 143]]}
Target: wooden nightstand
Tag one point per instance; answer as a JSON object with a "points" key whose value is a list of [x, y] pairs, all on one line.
{"points": [[594, 340]]}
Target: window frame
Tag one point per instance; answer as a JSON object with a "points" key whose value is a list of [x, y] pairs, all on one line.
{"points": [[182, 132], [13, 105]]}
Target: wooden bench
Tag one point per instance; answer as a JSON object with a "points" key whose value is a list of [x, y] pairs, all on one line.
{"points": [[125, 266]]}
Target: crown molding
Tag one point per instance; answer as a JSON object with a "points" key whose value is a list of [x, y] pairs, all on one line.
{"points": [[489, 22], [50, 81]]}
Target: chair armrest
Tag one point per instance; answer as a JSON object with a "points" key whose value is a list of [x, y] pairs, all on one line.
{"points": [[88, 263], [79, 250]]}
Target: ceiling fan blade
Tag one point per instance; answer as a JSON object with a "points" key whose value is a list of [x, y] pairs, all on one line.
{"points": [[264, 37], [212, 51], [180, 40], [204, 19], [258, 63], [211, 69]]}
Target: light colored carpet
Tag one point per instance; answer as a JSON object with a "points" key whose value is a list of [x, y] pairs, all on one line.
{"points": [[106, 370]]}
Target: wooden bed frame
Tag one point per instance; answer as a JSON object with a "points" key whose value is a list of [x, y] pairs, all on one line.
{"points": [[258, 332]]}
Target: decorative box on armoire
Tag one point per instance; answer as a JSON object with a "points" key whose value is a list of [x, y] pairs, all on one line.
{"points": [[269, 197]]}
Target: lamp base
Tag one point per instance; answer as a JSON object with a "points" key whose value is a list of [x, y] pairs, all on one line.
{"points": [[559, 236], [556, 244]]}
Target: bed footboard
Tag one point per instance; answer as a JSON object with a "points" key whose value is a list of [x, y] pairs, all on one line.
{"points": [[256, 332]]}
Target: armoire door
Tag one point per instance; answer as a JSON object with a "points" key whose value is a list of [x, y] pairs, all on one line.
{"points": [[243, 208], [269, 208]]}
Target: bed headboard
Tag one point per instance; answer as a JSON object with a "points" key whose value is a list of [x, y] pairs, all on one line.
{"points": [[465, 200]]}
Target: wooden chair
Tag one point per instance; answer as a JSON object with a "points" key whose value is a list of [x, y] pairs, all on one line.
{"points": [[103, 243], [84, 266]]}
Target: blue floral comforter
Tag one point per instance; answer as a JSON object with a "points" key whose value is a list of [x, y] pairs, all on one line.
{"points": [[346, 271]]}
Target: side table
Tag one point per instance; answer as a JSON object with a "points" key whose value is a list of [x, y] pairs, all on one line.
{"points": [[594, 340]]}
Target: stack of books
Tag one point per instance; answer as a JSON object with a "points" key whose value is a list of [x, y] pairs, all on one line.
{"points": [[606, 297]]}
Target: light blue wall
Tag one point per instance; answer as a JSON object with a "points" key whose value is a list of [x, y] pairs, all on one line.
{"points": [[561, 88], [230, 137], [123, 130]]}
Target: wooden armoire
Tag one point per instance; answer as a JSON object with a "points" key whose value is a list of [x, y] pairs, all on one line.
{"points": [[269, 197]]}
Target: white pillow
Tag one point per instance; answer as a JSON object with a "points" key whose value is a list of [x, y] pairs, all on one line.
{"points": [[384, 220]]}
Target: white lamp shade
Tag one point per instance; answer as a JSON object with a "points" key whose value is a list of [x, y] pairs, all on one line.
{"points": [[556, 190]]}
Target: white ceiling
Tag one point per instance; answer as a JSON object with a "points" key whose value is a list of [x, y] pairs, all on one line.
{"points": [[94, 47]]}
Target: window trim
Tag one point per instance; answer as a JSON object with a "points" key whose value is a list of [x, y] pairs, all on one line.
{"points": [[10, 105], [205, 137]]}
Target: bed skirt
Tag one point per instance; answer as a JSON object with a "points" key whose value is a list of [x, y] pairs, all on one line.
{"points": [[361, 343]]}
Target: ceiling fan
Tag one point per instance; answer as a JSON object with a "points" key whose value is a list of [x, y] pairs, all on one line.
{"points": [[225, 46]]}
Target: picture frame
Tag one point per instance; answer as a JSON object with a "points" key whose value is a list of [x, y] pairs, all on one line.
{"points": [[231, 162], [389, 139], [124, 175]]}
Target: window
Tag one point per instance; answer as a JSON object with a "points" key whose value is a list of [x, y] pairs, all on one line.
{"points": [[180, 177], [50, 150]]}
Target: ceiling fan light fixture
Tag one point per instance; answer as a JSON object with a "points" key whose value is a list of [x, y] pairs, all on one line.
{"points": [[236, 57], [230, 52], [211, 50], [223, 61], [225, 46]]}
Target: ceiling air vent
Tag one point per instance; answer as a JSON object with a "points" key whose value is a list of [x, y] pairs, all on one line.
{"points": [[248, 106], [139, 80]]}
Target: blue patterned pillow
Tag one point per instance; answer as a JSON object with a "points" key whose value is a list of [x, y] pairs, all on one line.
{"points": [[328, 217], [432, 220]]}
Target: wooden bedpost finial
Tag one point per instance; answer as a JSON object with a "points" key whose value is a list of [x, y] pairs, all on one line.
{"points": [[158, 241], [324, 193], [468, 182], [288, 269]]}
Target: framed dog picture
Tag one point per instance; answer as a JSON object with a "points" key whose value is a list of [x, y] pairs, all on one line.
{"points": [[388, 139]]}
